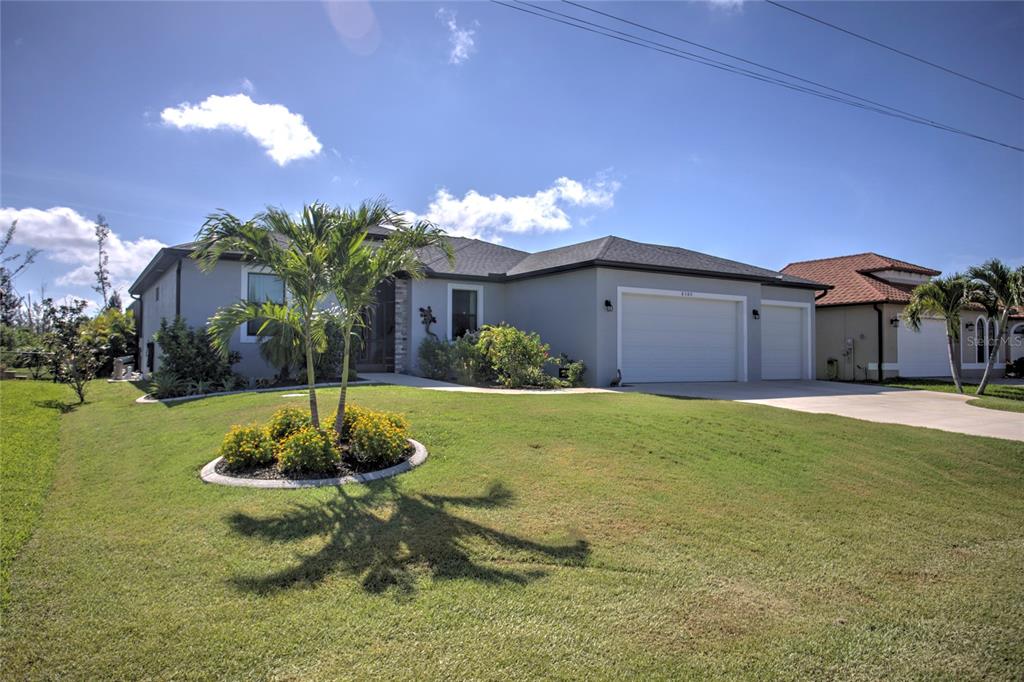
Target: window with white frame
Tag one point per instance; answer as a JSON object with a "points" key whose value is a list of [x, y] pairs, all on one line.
{"points": [[262, 287], [464, 309]]}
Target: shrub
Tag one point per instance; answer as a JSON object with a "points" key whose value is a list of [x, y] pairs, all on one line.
{"points": [[307, 450], [435, 358], [187, 353], [246, 446], [167, 384], [518, 357], [287, 421], [378, 439], [352, 412], [570, 370], [469, 361]]}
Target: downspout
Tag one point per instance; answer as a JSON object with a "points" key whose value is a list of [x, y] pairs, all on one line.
{"points": [[881, 353], [177, 290]]}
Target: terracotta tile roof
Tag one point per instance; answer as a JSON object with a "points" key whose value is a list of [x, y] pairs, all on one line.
{"points": [[854, 280]]}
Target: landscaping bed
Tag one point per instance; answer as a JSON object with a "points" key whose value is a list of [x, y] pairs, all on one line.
{"points": [[346, 466]]}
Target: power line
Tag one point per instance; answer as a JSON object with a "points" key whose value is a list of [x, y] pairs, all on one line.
{"points": [[844, 98], [894, 49]]}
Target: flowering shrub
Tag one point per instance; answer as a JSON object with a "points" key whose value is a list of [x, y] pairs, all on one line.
{"points": [[287, 421], [307, 450], [378, 439], [246, 446], [352, 412], [517, 357]]}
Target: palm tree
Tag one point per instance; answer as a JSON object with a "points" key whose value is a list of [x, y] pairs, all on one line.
{"points": [[1002, 287], [359, 266], [943, 297], [297, 251]]}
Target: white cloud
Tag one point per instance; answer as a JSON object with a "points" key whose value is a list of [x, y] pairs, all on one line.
{"points": [[461, 40], [69, 238], [728, 5], [282, 133], [488, 217]]}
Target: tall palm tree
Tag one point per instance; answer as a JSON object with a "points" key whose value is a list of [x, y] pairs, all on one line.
{"points": [[297, 251], [943, 297], [1002, 287], [359, 266]]}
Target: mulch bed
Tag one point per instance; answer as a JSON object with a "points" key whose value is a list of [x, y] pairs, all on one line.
{"points": [[271, 472]]}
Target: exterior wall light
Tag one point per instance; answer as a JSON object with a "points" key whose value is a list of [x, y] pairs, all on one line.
{"points": [[608, 305], [969, 326], [894, 322], [756, 313]]}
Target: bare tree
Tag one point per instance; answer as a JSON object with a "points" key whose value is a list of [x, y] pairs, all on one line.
{"points": [[102, 272]]}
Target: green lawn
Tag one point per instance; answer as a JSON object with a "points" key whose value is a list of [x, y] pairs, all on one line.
{"points": [[29, 412], [574, 536], [1005, 397]]}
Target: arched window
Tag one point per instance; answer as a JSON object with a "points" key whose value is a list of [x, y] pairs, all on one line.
{"points": [[980, 344]]}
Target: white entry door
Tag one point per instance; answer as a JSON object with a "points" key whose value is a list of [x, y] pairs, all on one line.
{"points": [[677, 337], [923, 353], [784, 342]]}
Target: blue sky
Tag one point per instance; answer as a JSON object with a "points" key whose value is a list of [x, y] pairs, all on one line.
{"points": [[499, 124]]}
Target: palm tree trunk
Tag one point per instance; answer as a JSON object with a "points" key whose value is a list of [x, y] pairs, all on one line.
{"points": [[339, 420], [311, 376], [954, 370], [994, 352]]}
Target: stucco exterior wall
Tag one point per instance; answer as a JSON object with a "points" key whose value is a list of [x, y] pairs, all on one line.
{"points": [[434, 293], [563, 308], [858, 324], [153, 311]]}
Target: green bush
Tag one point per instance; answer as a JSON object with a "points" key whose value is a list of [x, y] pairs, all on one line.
{"points": [[187, 353], [570, 370], [246, 446], [378, 439], [435, 356], [166, 384], [287, 421], [517, 357], [307, 450], [469, 362]]}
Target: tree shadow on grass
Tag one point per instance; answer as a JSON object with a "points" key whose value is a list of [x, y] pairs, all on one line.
{"points": [[387, 536], [58, 405]]}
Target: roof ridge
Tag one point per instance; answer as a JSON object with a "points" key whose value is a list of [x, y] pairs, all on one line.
{"points": [[851, 255]]}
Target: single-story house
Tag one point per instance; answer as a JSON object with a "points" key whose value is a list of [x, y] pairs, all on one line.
{"points": [[860, 323], [653, 313]]}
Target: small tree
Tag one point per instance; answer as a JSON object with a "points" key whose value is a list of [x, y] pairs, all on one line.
{"points": [[943, 297], [76, 366], [1001, 287], [358, 266], [63, 324], [102, 273]]}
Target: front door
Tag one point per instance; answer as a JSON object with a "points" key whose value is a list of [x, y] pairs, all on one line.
{"points": [[375, 350]]}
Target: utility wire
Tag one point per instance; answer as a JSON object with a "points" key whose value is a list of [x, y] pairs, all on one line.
{"points": [[894, 49], [639, 41]]}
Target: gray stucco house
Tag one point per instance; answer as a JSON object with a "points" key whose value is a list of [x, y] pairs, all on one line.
{"points": [[655, 313]]}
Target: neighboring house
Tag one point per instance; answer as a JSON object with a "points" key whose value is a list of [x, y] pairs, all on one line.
{"points": [[657, 313], [860, 322]]}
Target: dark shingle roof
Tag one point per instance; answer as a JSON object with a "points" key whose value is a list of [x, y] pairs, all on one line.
{"points": [[473, 258]]}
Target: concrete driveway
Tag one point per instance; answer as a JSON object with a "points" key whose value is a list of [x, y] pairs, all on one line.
{"points": [[930, 409]]}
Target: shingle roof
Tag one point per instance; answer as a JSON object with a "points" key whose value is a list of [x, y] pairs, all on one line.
{"points": [[473, 258], [854, 280]]}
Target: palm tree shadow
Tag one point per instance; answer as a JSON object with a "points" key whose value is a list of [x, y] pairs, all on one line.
{"points": [[387, 537]]}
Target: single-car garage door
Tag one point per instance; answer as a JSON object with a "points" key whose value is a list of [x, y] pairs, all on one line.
{"points": [[679, 336], [923, 353], [783, 342]]}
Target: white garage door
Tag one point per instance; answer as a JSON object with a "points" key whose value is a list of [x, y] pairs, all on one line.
{"points": [[783, 341], [923, 353], [679, 338]]}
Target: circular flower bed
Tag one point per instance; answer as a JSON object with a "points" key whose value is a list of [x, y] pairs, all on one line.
{"points": [[288, 449]]}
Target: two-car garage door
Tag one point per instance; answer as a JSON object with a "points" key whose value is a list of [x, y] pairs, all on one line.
{"points": [[684, 336]]}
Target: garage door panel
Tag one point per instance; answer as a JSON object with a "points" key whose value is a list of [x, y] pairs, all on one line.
{"points": [[923, 353], [666, 338], [783, 344]]}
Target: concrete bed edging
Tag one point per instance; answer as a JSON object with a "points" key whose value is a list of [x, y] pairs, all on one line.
{"points": [[148, 399], [209, 474]]}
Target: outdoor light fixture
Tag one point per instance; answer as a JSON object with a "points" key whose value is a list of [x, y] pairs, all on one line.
{"points": [[894, 322], [608, 305], [970, 326], [757, 314]]}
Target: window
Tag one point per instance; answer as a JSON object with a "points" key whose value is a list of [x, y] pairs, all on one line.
{"points": [[465, 308], [262, 288], [980, 345], [158, 293]]}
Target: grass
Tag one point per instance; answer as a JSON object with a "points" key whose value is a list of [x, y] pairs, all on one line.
{"points": [[1009, 398], [29, 412], [575, 536]]}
